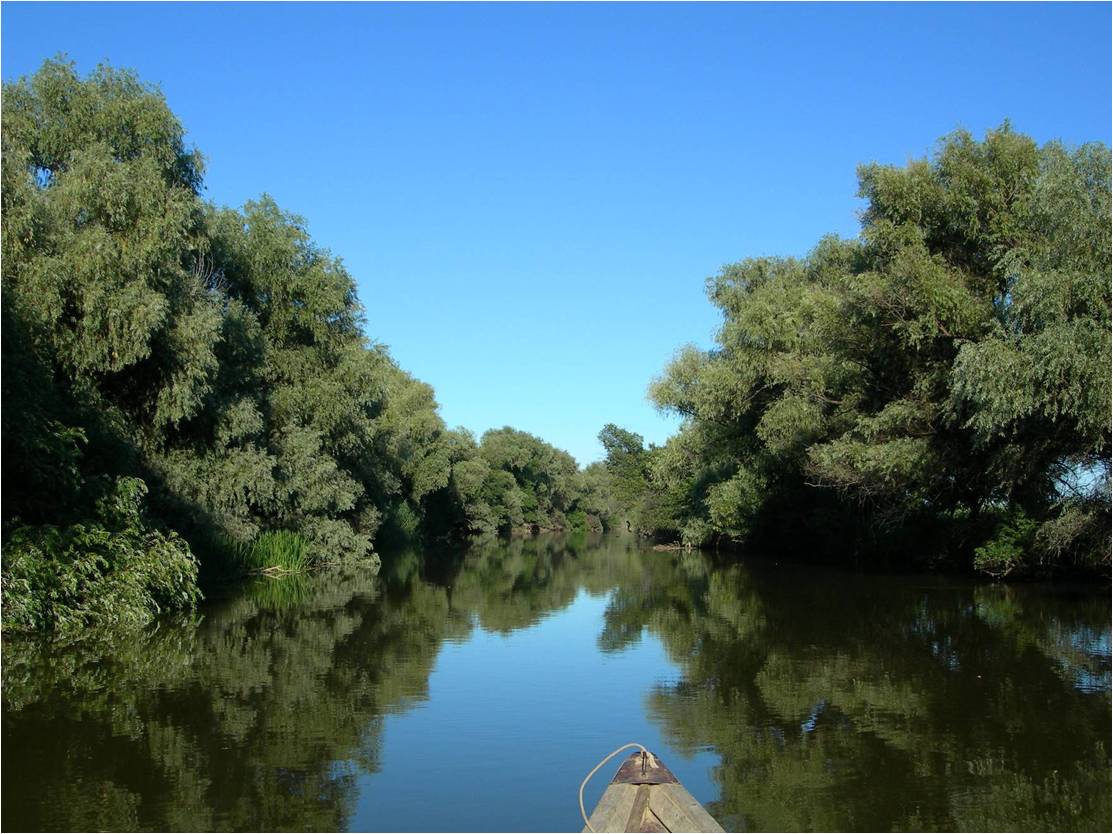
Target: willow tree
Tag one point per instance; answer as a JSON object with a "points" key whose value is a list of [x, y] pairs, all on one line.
{"points": [[102, 228], [109, 341], [945, 374], [175, 368]]}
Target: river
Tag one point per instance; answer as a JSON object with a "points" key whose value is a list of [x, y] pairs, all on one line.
{"points": [[472, 691]]}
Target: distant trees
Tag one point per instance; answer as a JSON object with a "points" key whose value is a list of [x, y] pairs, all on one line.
{"points": [[207, 370], [940, 384], [640, 496], [512, 479]]}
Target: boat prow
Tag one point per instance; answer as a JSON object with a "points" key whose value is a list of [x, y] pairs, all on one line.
{"points": [[645, 796]]}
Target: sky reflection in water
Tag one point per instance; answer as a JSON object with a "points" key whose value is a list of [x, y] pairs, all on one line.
{"points": [[473, 692]]}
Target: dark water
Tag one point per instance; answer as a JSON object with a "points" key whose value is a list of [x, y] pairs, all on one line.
{"points": [[473, 692]]}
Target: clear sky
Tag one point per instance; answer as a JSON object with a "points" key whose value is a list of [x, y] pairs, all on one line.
{"points": [[531, 196]]}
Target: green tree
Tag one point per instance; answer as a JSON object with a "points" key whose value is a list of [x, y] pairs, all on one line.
{"points": [[109, 344], [546, 476], [917, 382], [213, 360], [628, 464]]}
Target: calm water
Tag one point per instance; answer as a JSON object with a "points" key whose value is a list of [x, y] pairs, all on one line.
{"points": [[474, 691]]}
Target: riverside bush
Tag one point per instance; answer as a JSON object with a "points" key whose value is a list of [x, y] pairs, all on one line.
{"points": [[111, 570]]}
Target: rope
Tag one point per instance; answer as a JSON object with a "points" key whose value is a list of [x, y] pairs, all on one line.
{"points": [[595, 769]]}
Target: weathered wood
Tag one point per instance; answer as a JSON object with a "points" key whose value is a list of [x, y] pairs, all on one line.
{"points": [[641, 805], [680, 811], [614, 808], [642, 819], [644, 796], [647, 770], [651, 824]]}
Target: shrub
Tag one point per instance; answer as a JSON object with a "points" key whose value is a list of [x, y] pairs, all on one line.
{"points": [[111, 570], [1013, 541], [577, 521]]}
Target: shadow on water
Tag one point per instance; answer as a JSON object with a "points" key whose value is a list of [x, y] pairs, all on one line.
{"points": [[833, 700]]}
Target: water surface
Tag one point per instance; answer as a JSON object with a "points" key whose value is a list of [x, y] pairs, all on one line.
{"points": [[472, 691]]}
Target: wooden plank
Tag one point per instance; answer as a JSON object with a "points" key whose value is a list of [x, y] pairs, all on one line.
{"points": [[637, 811], [679, 810], [651, 824], [671, 815], [614, 808]]}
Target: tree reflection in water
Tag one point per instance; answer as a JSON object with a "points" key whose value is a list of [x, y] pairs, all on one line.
{"points": [[846, 702], [834, 700]]}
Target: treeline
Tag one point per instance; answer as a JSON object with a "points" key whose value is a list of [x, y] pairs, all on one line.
{"points": [[181, 379], [936, 390]]}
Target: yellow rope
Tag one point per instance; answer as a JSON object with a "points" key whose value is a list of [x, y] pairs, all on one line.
{"points": [[587, 778]]}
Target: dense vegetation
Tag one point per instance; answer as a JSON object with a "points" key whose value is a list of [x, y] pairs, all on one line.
{"points": [[938, 387], [189, 384], [189, 388]]}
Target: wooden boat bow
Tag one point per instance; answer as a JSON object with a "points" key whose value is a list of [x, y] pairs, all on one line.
{"points": [[645, 796]]}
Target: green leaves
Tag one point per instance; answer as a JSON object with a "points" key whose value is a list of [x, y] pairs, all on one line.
{"points": [[216, 353], [732, 504], [55, 112], [114, 570], [951, 359], [110, 226]]}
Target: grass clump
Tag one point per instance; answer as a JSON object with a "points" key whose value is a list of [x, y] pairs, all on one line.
{"points": [[277, 551]]}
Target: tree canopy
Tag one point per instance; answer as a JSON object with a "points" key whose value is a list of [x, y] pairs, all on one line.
{"points": [[941, 383], [181, 379], [208, 364]]}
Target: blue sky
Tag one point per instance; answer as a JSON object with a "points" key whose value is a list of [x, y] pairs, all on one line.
{"points": [[531, 196]]}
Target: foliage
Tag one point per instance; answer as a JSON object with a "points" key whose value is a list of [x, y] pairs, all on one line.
{"points": [[216, 354], [544, 475], [596, 497], [626, 465], [276, 550], [114, 569], [513, 480], [1013, 540], [949, 365]]}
